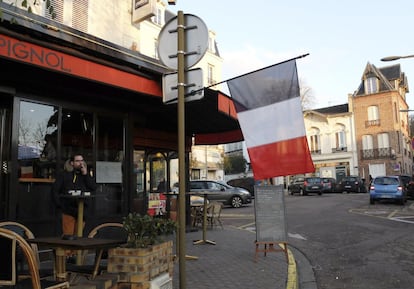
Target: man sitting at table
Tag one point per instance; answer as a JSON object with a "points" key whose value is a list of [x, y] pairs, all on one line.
{"points": [[74, 178]]}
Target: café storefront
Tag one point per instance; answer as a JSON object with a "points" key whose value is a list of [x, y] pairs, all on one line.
{"points": [[60, 95]]}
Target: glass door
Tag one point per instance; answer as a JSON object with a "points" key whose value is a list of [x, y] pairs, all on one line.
{"points": [[4, 160]]}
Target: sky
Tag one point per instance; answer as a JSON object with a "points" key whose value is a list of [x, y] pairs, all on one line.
{"points": [[341, 37]]}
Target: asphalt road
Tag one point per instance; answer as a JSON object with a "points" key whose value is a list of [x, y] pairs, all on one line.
{"points": [[349, 243]]}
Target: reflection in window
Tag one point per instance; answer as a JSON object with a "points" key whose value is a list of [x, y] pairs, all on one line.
{"points": [[37, 140], [110, 153], [77, 134]]}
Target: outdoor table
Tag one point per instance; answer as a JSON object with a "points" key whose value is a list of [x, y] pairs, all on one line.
{"points": [[204, 236], [60, 245]]}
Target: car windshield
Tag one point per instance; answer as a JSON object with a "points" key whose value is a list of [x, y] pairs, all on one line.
{"points": [[313, 180], [386, 181]]}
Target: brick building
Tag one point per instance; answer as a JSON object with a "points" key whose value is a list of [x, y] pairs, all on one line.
{"points": [[381, 122]]}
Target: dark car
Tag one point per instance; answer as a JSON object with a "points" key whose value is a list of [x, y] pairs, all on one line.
{"points": [[388, 188], [408, 184], [221, 192], [410, 190], [245, 183], [352, 184], [329, 185], [306, 185]]}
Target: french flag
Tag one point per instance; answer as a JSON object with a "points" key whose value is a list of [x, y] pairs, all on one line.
{"points": [[269, 112]]}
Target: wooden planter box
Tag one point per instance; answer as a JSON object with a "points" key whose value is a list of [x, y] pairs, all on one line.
{"points": [[136, 267]]}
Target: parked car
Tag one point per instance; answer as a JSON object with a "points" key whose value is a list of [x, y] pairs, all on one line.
{"points": [[410, 190], [352, 184], [194, 200], [305, 185], [387, 188], [222, 192], [245, 183], [408, 182], [329, 185]]}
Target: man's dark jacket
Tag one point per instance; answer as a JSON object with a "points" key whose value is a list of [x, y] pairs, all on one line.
{"points": [[66, 182]]}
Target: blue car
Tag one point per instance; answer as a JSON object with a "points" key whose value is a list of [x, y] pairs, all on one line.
{"points": [[387, 188]]}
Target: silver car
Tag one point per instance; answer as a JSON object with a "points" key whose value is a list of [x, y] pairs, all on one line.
{"points": [[221, 192]]}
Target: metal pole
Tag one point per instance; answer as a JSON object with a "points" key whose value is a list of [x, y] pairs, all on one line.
{"points": [[181, 146]]}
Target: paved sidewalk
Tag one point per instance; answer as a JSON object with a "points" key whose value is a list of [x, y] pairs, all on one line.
{"points": [[230, 263]]}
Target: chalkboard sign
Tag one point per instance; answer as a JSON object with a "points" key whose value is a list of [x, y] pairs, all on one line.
{"points": [[269, 207]]}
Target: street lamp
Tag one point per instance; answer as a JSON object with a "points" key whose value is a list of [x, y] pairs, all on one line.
{"points": [[392, 58]]}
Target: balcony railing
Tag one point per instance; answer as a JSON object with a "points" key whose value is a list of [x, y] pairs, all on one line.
{"points": [[379, 153], [374, 122], [316, 152], [339, 149]]}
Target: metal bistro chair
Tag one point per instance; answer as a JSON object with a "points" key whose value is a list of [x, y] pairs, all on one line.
{"points": [[45, 270], [29, 255], [87, 269]]}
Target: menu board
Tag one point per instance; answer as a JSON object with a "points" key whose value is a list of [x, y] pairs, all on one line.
{"points": [[269, 207], [108, 172]]}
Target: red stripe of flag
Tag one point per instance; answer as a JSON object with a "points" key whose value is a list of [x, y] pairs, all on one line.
{"points": [[282, 158]]}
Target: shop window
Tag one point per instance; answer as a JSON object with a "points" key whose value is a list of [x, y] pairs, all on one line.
{"points": [[109, 164], [37, 145]]}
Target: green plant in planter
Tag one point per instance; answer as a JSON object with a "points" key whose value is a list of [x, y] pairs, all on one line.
{"points": [[144, 231]]}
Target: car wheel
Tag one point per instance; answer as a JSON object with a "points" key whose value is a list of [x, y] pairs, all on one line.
{"points": [[319, 193], [236, 202], [401, 202]]}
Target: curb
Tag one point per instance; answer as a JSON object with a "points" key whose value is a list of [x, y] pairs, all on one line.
{"points": [[304, 271], [292, 278]]}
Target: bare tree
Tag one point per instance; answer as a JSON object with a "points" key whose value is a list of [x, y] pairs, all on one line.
{"points": [[24, 130], [306, 95]]}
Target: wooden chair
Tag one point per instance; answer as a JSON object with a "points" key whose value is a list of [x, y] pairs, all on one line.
{"points": [[214, 214], [34, 281], [26, 233], [106, 230], [196, 216]]}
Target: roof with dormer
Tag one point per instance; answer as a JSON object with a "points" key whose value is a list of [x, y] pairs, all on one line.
{"points": [[386, 76]]}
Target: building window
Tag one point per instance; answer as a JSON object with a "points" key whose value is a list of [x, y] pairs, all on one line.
{"points": [[71, 13], [315, 144], [340, 139], [157, 18], [383, 145], [210, 74], [371, 85], [367, 147], [156, 56], [373, 116], [367, 142], [211, 44], [383, 140]]}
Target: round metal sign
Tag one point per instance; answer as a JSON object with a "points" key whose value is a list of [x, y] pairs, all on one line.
{"points": [[196, 41]]}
